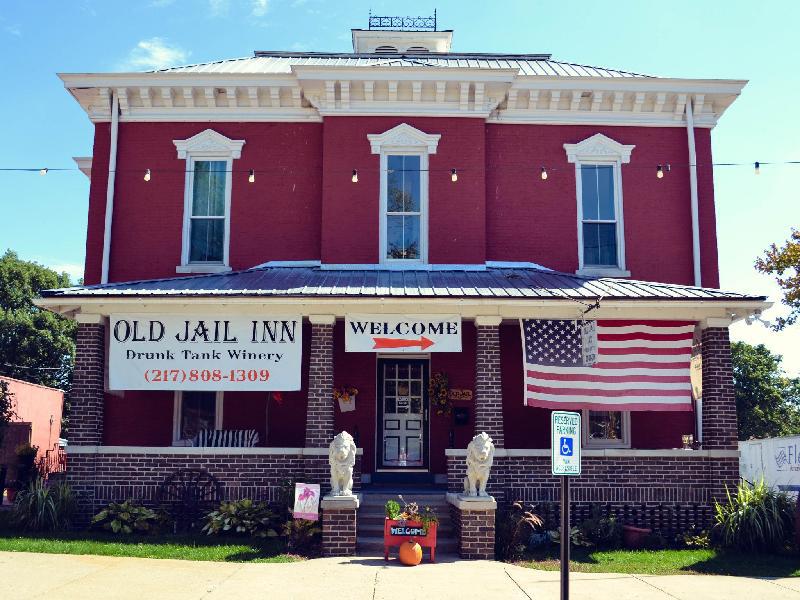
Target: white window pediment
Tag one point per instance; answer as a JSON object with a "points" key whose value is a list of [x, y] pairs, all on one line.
{"points": [[598, 147], [209, 143], [404, 137]]}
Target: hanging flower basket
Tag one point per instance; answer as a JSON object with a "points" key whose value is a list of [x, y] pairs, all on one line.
{"points": [[346, 396]]}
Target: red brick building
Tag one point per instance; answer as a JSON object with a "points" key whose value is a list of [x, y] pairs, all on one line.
{"points": [[394, 213]]}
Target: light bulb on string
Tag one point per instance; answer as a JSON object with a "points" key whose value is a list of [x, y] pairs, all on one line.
{"points": [[147, 175], [251, 178], [757, 166], [660, 172], [354, 178], [544, 174], [453, 175], [43, 172]]}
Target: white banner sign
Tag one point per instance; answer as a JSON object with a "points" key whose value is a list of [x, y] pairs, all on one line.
{"points": [[172, 352], [402, 333]]}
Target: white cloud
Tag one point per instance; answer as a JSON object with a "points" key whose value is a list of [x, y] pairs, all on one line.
{"points": [[218, 8], [13, 30], [260, 8], [154, 53], [75, 271]]}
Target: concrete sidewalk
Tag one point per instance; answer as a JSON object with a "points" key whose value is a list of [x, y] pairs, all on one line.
{"points": [[61, 576]]}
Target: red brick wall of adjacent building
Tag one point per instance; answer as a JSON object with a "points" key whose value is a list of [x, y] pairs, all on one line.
{"points": [[303, 205]]}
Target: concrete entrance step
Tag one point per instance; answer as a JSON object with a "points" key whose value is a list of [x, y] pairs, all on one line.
{"points": [[374, 545]]}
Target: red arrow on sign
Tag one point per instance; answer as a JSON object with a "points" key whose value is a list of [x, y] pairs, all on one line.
{"points": [[422, 342]]}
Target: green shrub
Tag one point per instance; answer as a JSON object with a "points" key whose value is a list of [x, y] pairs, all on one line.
{"points": [[243, 517], [40, 507], [514, 527], [755, 518], [302, 537], [695, 538], [128, 517], [601, 531], [26, 465]]}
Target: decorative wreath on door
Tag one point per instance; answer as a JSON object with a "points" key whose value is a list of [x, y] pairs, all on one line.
{"points": [[439, 391]]}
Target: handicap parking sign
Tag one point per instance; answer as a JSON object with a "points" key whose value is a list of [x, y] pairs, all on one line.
{"points": [[566, 442]]}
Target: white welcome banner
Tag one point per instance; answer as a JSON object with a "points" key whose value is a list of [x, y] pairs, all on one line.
{"points": [[402, 333], [173, 352]]}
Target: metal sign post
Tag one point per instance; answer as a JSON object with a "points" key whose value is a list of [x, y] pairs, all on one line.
{"points": [[565, 428]]}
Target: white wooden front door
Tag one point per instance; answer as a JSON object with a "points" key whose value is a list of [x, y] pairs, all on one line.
{"points": [[403, 413]]}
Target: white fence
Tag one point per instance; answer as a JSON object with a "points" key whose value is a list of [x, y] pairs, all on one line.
{"points": [[777, 460]]}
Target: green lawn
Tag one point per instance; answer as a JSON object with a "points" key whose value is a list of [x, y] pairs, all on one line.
{"points": [[180, 547], [670, 562]]}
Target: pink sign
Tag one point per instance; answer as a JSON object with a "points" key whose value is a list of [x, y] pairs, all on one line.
{"points": [[306, 501]]}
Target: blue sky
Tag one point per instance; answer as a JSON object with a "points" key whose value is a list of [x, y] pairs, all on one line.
{"points": [[44, 218]]}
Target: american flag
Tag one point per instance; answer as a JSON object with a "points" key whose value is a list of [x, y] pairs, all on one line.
{"points": [[641, 365]]}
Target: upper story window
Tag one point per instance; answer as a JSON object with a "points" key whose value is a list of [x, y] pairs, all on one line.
{"points": [[207, 201], [404, 152], [601, 233]]}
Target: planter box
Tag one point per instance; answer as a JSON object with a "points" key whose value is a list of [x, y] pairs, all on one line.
{"points": [[396, 532]]}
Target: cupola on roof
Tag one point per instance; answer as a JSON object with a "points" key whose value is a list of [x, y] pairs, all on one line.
{"points": [[401, 35]]}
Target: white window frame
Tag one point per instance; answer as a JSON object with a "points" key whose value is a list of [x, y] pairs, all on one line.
{"points": [[208, 145], [625, 442], [177, 413], [404, 140], [601, 150]]}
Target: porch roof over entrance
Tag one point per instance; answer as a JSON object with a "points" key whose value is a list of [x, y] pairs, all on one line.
{"points": [[515, 283]]}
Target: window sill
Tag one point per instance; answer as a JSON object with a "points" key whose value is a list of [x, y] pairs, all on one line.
{"points": [[602, 446], [202, 269], [602, 272]]}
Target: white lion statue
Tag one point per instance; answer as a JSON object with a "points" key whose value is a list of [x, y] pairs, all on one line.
{"points": [[480, 455], [342, 458]]}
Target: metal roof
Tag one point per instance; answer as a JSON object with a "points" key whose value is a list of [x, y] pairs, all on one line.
{"points": [[500, 283], [282, 62]]}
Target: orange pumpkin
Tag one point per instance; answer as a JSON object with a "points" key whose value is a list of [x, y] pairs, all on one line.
{"points": [[410, 553]]}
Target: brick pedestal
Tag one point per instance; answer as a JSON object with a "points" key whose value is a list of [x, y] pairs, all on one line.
{"points": [[473, 519], [719, 401], [339, 525], [488, 383], [319, 417]]}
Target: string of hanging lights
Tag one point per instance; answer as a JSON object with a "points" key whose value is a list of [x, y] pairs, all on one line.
{"points": [[544, 172]]}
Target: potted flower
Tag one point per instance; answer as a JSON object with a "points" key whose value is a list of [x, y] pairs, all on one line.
{"points": [[409, 527]]}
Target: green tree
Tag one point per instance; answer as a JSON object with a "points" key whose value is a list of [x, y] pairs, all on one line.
{"points": [[784, 265], [767, 401], [35, 345], [6, 409]]}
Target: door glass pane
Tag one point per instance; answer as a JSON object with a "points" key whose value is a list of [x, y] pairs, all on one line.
{"points": [[208, 192], [390, 370], [416, 405], [390, 405], [206, 240], [600, 244], [597, 192], [416, 371], [198, 411], [402, 373], [403, 180], [391, 387], [605, 425], [416, 388]]}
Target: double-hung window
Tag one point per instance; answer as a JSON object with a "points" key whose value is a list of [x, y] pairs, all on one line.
{"points": [[403, 208], [193, 412], [599, 216], [606, 429], [207, 201], [601, 233], [404, 152]]}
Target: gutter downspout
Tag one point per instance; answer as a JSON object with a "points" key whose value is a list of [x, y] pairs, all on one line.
{"points": [[698, 280], [112, 173]]}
